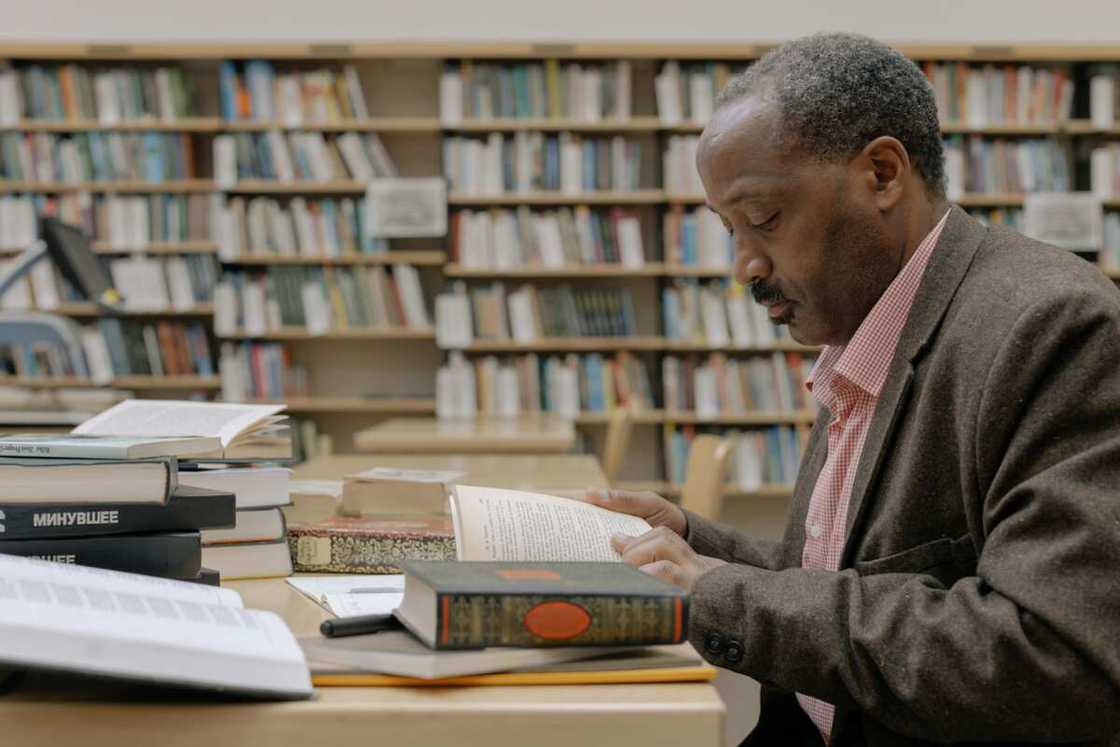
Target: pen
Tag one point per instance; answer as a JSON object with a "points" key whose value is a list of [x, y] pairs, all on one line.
{"points": [[358, 625]]}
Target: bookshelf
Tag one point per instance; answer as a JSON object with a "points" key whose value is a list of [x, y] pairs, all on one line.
{"points": [[352, 376]]}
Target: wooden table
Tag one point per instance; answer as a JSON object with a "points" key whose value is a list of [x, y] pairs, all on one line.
{"points": [[542, 472], [526, 435], [97, 715]]}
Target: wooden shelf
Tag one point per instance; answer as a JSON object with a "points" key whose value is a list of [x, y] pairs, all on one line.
{"points": [[150, 383], [201, 246], [633, 124], [362, 405], [90, 309], [688, 271], [434, 258], [1025, 129], [193, 124], [799, 417], [651, 269], [683, 198], [643, 417], [781, 346], [273, 187], [353, 333], [183, 185], [567, 344], [664, 488], [1086, 127], [637, 197], [377, 124]]}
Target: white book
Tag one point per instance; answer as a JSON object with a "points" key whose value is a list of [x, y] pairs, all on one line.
{"points": [[136, 209], [11, 100], [291, 101], [281, 158], [1102, 101], [44, 285], [253, 488], [508, 391], [105, 91], [354, 92], [629, 230], [140, 280], [714, 318], [739, 317], [225, 309], [225, 161], [522, 327], [1103, 165], [622, 90], [137, 628], [571, 164], [383, 165], [701, 96], [316, 308], [233, 368], [407, 279], [453, 320], [98, 360], [549, 242], [667, 88], [954, 173], [254, 307], [977, 100], [350, 145], [506, 247], [179, 283], [450, 97], [592, 95]]}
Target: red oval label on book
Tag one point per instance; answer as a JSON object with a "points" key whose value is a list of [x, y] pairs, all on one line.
{"points": [[557, 621]]}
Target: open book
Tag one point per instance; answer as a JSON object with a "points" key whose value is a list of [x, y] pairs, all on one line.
{"points": [[513, 525], [245, 431], [88, 621]]}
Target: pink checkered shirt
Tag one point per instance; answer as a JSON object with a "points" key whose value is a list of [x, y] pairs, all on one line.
{"points": [[847, 380]]}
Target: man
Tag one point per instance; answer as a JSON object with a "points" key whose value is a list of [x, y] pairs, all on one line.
{"points": [[951, 569]]}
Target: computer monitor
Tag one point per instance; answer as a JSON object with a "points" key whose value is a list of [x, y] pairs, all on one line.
{"points": [[68, 248]]}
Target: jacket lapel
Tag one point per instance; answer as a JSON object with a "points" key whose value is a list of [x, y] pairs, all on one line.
{"points": [[947, 267]]}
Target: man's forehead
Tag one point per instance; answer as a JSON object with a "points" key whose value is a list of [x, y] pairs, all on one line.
{"points": [[745, 133]]}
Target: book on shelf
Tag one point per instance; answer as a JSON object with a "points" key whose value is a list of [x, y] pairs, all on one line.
{"points": [[393, 491], [1110, 254], [163, 554], [759, 456], [687, 92], [155, 284], [124, 626], [313, 501], [369, 544], [186, 509], [249, 525], [1104, 171], [531, 313], [265, 227], [568, 385], [254, 432], [113, 347], [1009, 217], [1104, 96], [33, 480], [719, 385], [253, 90], [985, 95], [108, 95], [696, 238], [464, 605], [984, 165], [718, 314], [97, 157], [513, 239], [550, 90], [261, 371], [536, 161], [300, 156], [321, 299], [678, 166]]}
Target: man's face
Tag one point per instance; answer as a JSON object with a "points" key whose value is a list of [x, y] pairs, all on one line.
{"points": [[808, 238]]}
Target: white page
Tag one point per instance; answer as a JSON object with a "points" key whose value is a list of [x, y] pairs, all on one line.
{"points": [[156, 417], [349, 605], [316, 588], [513, 525]]}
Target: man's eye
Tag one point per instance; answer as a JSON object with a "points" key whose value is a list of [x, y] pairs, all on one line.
{"points": [[767, 224]]}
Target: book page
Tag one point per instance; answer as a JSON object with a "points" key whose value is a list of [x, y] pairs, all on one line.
{"points": [[512, 525], [155, 417]]}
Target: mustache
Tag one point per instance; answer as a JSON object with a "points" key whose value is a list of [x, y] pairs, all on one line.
{"points": [[764, 294]]}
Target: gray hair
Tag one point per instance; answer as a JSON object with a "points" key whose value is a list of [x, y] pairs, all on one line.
{"points": [[838, 92]]}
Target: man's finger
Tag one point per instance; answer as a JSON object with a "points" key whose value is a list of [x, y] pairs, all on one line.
{"points": [[666, 570], [660, 544]]}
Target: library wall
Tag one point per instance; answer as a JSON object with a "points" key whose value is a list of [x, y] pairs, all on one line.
{"points": [[506, 20]]}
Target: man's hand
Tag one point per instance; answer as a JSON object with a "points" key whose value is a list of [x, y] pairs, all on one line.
{"points": [[657, 511], [664, 553]]}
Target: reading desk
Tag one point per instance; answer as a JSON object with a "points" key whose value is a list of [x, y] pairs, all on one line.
{"points": [[484, 435]]}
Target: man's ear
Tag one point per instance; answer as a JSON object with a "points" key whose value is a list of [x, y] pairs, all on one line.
{"points": [[889, 168]]}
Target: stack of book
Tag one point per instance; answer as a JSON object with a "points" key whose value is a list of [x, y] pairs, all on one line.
{"points": [[253, 91], [679, 166], [995, 95], [245, 442], [529, 384], [260, 371], [535, 161], [503, 239], [321, 299], [759, 457], [108, 502], [696, 238], [983, 165], [109, 95], [264, 227], [300, 156], [529, 313], [96, 156], [577, 91], [717, 314], [724, 386], [689, 94]]}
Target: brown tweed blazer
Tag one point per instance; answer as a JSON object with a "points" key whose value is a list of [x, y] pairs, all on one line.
{"points": [[978, 599]]}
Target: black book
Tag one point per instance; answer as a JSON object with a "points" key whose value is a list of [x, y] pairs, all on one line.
{"points": [[187, 509], [173, 555]]}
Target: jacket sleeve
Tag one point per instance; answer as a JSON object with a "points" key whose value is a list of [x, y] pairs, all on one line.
{"points": [[728, 544], [1026, 649]]}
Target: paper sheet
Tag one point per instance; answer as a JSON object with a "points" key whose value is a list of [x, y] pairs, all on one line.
{"points": [[345, 605], [317, 588]]}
